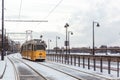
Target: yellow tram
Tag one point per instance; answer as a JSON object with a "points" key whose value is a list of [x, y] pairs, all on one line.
{"points": [[34, 50]]}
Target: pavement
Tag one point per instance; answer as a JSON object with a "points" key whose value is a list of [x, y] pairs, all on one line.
{"points": [[2, 68]]}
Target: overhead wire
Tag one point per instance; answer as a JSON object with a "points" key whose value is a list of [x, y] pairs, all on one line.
{"points": [[52, 10], [48, 13], [20, 9], [19, 15]]}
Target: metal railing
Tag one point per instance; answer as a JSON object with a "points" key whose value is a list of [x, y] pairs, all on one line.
{"points": [[101, 62]]}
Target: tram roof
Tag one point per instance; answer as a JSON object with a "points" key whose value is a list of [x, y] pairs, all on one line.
{"points": [[35, 41]]}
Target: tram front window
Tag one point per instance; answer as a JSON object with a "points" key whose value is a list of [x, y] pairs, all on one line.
{"points": [[39, 47]]}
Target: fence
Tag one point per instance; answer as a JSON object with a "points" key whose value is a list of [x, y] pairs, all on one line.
{"points": [[101, 62]]}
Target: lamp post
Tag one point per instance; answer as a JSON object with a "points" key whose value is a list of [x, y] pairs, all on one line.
{"points": [[56, 42], [49, 45], [66, 42], [97, 24], [69, 32], [56, 48]]}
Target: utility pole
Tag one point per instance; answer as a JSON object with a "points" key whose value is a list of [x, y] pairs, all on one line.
{"points": [[2, 54]]}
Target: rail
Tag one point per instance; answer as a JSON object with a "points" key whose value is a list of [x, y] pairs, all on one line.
{"points": [[42, 77], [78, 74], [15, 70], [62, 72]]}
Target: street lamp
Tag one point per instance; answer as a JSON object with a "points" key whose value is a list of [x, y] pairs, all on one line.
{"points": [[56, 42], [69, 32], [49, 44], [97, 24], [41, 36], [66, 42]]}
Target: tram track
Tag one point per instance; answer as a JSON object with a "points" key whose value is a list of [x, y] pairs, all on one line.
{"points": [[54, 78], [58, 71], [15, 70], [63, 72], [77, 75], [25, 72], [80, 75]]}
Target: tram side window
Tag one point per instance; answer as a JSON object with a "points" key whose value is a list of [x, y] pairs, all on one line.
{"points": [[24, 48], [21, 49], [32, 47], [29, 46]]}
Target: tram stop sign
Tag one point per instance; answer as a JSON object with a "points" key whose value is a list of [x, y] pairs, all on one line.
{"points": [[66, 43]]}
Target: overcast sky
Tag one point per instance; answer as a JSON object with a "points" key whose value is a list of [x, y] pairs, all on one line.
{"points": [[79, 14]]}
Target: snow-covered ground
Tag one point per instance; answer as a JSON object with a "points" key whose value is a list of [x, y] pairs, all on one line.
{"points": [[2, 67], [108, 54], [9, 72]]}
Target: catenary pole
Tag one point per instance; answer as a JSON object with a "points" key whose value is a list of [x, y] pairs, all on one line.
{"points": [[2, 54]]}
